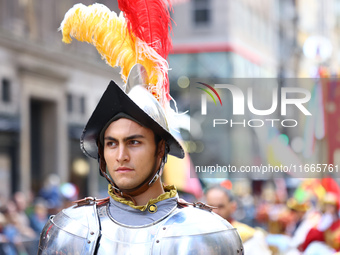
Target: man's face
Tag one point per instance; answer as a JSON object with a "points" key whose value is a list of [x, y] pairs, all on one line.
{"points": [[130, 153], [219, 199]]}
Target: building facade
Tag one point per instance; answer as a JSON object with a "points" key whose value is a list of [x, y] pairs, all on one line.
{"points": [[47, 92], [216, 40]]}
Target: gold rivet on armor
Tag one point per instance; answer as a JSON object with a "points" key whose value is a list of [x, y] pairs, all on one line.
{"points": [[91, 233], [152, 208]]}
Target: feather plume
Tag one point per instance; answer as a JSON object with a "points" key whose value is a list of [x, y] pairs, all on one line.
{"points": [[97, 25], [150, 21]]}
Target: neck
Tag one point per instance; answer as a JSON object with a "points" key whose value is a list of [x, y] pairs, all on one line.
{"points": [[152, 192]]}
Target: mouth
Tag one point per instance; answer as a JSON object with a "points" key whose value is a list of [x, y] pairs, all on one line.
{"points": [[123, 169]]}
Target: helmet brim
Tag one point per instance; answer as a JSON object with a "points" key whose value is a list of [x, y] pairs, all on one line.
{"points": [[114, 101]]}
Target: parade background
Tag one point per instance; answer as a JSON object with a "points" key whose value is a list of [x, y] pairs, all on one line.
{"points": [[48, 91]]}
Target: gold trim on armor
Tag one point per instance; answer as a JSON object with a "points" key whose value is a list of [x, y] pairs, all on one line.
{"points": [[170, 191]]}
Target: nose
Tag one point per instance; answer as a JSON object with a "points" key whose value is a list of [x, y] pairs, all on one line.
{"points": [[123, 154]]}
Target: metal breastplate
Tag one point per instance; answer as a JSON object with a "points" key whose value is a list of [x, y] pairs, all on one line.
{"points": [[184, 231], [117, 238], [91, 230]]}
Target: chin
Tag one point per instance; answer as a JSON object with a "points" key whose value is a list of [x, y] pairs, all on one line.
{"points": [[126, 185]]}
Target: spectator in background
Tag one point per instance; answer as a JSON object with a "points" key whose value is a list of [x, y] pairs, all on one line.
{"points": [[223, 199], [21, 205], [303, 218], [14, 232], [324, 237], [51, 193], [298, 214], [21, 238], [20, 218], [6, 247], [39, 216], [329, 209], [3, 223]]}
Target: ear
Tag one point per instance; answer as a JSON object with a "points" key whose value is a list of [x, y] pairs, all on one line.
{"points": [[233, 206], [161, 149]]}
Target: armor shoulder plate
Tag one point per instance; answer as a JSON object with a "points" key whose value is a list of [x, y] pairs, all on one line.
{"points": [[195, 231], [74, 230]]}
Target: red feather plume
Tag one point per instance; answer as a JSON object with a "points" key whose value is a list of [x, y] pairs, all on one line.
{"points": [[150, 21]]}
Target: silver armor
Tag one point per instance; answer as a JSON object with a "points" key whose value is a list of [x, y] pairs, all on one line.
{"points": [[90, 229]]}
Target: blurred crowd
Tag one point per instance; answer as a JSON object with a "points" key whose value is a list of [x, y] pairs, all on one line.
{"points": [[276, 220], [302, 221], [23, 216]]}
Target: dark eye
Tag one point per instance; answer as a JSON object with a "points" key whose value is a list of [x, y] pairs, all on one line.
{"points": [[110, 144], [134, 142]]}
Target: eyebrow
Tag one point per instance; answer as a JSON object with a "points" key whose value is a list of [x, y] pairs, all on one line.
{"points": [[125, 139]]}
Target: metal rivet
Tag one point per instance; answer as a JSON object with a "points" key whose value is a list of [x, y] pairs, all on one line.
{"points": [[164, 228], [88, 241], [238, 251], [157, 241], [91, 233], [152, 208]]}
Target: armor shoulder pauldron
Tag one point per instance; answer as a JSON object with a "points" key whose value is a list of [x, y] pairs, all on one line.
{"points": [[199, 231], [74, 230]]}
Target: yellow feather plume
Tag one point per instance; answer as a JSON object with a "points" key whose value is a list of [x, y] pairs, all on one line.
{"points": [[97, 25]]}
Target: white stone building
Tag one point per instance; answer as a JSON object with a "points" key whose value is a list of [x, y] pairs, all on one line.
{"points": [[47, 92]]}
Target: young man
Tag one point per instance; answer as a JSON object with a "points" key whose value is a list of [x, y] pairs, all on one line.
{"points": [[142, 215], [128, 134]]}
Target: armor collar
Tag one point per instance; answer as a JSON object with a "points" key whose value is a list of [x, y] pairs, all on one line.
{"points": [[170, 192], [129, 216]]}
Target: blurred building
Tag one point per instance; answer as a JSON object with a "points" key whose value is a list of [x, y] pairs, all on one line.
{"points": [[289, 49], [321, 21], [318, 36], [47, 92], [218, 39], [222, 39]]}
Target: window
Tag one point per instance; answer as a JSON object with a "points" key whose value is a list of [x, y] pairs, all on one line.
{"points": [[6, 90], [69, 103], [202, 13], [82, 105]]}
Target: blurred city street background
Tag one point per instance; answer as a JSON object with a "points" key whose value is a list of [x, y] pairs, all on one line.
{"points": [[49, 89]]}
